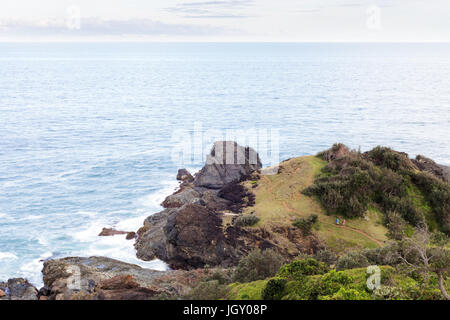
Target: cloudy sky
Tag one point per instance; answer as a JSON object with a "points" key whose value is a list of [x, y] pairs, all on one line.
{"points": [[225, 20]]}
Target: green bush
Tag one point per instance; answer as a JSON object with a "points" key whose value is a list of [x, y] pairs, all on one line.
{"points": [[348, 294], [258, 265], [298, 269], [388, 180], [351, 260], [246, 220], [208, 290], [306, 224], [274, 289], [326, 256]]}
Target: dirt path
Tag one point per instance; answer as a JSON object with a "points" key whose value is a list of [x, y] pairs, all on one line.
{"points": [[287, 207]]}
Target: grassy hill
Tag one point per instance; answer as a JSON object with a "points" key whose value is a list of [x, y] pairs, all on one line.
{"points": [[279, 201]]}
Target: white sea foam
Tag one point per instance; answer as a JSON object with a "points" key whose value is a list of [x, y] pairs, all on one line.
{"points": [[7, 255], [31, 269]]}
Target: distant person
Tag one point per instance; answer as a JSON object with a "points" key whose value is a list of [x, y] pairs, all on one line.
{"points": [[343, 222], [337, 220]]}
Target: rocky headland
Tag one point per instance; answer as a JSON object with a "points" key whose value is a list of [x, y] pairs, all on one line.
{"points": [[205, 223]]}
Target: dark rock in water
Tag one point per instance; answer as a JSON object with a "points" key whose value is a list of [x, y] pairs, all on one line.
{"points": [[226, 163], [184, 175], [108, 232], [131, 235], [19, 289], [427, 165], [99, 278]]}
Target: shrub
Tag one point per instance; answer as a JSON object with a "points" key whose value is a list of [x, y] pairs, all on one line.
{"points": [[351, 260], [274, 289], [258, 265], [331, 282], [305, 224], [298, 269], [348, 294], [387, 255], [208, 290], [388, 158], [326, 256], [246, 220]]}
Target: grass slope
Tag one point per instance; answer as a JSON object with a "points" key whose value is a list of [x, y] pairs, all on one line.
{"points": [[279, 201]]}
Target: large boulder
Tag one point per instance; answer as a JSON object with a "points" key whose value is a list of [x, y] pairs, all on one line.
{"points": [[187, 237], [184, 175], [186, 195], [100, 278], [18, 289], [226, 163]]}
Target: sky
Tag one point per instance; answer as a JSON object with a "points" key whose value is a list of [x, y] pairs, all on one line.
{"points": [[226, 20]]}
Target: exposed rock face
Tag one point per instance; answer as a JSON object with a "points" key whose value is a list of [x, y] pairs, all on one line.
{"points": [[18, 289], [187, 237], [184, 175], [100, 278], [186, 195], [428, 165], [189, 233], [226, 163]]}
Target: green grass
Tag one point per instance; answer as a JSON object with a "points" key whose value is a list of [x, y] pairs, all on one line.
{"points": [[247, 291], [279, 201]]}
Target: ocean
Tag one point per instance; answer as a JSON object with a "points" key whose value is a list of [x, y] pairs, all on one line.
{"points": [[88, 130]]}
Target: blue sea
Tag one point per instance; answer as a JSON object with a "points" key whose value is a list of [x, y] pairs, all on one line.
{"points": [[87, 129]]}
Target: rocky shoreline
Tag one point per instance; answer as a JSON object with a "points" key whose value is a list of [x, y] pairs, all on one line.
{"points": [[191, 234]]}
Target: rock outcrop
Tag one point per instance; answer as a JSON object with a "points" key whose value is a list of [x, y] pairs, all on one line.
{"points": [[18, 289], [187, 237], [108, 232], [100, 278], [427, 165], [184, 175], [189, 233], [226, 163]]}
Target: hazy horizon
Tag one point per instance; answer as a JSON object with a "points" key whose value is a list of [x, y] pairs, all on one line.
{"points": [[418, 21]]}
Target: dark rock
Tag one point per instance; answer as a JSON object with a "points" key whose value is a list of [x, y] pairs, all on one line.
{"points": [[107, 232], [186, 195], [131, 235], [427, 165], [184, 175], [226, 163], [187, 237], [21, 289]]}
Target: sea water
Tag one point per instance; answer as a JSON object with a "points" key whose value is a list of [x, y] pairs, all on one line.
{"points": [[86, 129]]}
